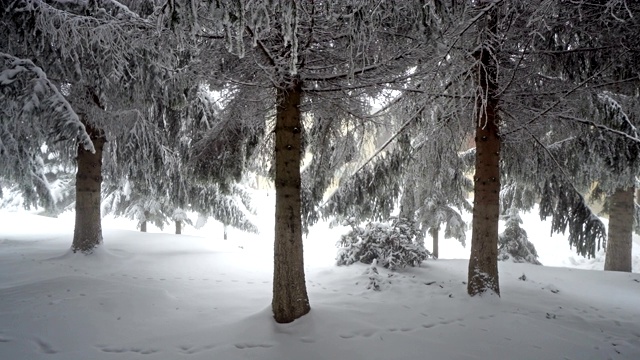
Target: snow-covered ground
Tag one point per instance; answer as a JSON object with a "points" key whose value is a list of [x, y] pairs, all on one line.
{"points": [[196, 296]]}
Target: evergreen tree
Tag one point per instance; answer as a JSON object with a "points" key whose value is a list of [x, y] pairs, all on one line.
{"points": [[34, 112], [105, 58], [513, 242], [316, 58]]}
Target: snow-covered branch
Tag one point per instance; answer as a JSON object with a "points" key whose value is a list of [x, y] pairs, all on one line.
{"points": [[35, 92], [600, 126]]}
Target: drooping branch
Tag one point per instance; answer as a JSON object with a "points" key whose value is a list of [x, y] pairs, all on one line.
{"points": [[22, 73]]}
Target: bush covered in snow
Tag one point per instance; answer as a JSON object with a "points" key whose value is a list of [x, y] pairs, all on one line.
{"points": [[394, 246], [513, 242]]}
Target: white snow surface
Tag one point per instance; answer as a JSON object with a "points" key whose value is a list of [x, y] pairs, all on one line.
{"points": [[196, 296]]}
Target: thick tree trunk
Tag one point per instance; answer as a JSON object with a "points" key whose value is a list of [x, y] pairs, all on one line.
{"points": [[435, 231], [87, 234], [483, 261], [178, 227], [620, 232], [290, 300]]}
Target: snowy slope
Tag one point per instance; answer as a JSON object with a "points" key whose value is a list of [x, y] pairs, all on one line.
{"points": [[163, 296]]}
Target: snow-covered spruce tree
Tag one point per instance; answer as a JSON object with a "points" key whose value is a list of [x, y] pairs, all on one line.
{"points": [[231, 207], [612, 162], [440, 184], [513, 242], [99, 53], [608, 150], [518, 100], [425, 173], [203, 140], [295, 58], [512, 70], [593, 141], [34, 112]]}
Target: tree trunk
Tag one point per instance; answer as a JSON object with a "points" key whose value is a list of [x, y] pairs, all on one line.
{"points": [[290, 300], [483, 261], [224, 229], [408, 203], [178, 227], [620, 232], [435, 231], [87, 234], [143, 223]]}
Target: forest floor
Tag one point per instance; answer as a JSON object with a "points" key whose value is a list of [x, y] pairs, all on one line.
{"points": [[165, 296]]}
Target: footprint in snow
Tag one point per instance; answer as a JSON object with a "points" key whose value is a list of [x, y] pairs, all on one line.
{"points": [[121, 350], [252, 346], [44, 346], [190, 350], [363, 333]]}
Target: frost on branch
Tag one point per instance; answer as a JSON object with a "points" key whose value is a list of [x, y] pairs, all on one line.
{"points": [[392, 246], [27, 95]]}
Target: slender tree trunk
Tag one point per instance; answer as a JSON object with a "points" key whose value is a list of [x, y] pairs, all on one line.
{"points": [[178, 227], [143, 223], [87, 234], [620, 232], [290, 300], [225, 230], [435, 231], [408, 198], [408, 203], [483, 261]]}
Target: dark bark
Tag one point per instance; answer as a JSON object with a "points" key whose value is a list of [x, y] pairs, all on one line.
{"points": [[435, 231], [143, 223], [87, 234], [178, 227], [620, 232], [290, 299], [483, 261]]}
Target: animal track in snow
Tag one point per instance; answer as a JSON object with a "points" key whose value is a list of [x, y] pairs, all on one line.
{"points": [[363, 333], [252, 346], [443, 322], [190, 350], [44, 346], [120, 350]]}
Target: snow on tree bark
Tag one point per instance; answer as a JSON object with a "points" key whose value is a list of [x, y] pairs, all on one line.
{"points": [[290, 299], [87, 234], [619, 242], [483, 261]]}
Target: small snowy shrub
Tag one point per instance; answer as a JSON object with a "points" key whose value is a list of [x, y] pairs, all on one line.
{"points": [[375, 280], [393, 246], [513, 242]]}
